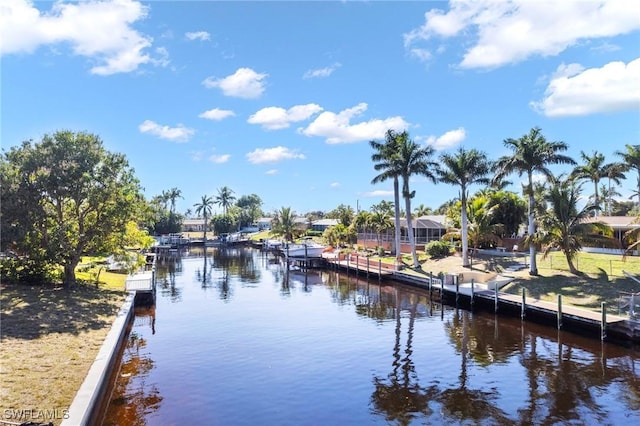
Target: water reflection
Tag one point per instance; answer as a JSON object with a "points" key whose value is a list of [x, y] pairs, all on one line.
{"points": [[285, 345]]}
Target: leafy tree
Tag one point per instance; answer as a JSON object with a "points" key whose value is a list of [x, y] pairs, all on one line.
{"points": [[615, 173], [532, 153], [225, 198], [509, 210], [464, 169], [386, 162], [64, 196], [564, 226], [343, 213], [250, 209], [381, 223], [631, 161], [223, 224], [204, 208], [383, 206], [413, 160], [339, 235]]}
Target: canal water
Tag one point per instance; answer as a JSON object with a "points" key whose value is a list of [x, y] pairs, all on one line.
{"points": [[237, 339]]}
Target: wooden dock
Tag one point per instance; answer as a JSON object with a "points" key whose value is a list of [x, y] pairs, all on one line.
{"points": [[143, 282], [471, 295]]}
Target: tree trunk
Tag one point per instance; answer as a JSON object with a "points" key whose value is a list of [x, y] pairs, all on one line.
{"points": [[463, 237], [70, 272], [396, 196], [533, 267], [572, 268], [412, 242]]}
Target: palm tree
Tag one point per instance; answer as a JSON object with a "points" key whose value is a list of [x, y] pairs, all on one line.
{"points": [[386, 162], [413, 160], [204, 208], [463, 169], [381, 223], [284, 223], [172, 195], [422, 210], [532, 153], [594, 169], [632, 236], [564, 226], [225, 198], [614, 173], [631, 161]]}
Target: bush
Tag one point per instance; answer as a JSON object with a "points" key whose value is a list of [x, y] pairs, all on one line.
{"points": [[437, 249]]}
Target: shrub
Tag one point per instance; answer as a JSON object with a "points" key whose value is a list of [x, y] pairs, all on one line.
{"points": [[437, 249]]}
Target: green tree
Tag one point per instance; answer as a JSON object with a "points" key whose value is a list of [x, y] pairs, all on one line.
{"points": [[204, 208], [64, 196], [631, 161], [509, 210], [225, 198], [386, 161], [413, 160], [532, 153], [594, 169], [250, 209], [564, 226], [615, 173], [422, 210], [343, 213], [284, 223], [464, 169]]}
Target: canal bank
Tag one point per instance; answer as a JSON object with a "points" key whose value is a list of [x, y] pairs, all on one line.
{"points": [[469, 294]]}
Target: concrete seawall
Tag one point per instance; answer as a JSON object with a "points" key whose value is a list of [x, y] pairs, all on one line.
{"points": [[88, 400]]}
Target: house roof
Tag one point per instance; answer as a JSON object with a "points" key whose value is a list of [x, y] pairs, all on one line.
{"points": [[197, 221], [617, 222], [427, 222], [325, 222]]}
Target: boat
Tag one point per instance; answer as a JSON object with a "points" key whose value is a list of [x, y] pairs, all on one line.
{"points": [[272, 244], [305, 249]]}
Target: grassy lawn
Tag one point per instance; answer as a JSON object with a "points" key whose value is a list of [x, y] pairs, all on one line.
{"points": [[50, 336]]}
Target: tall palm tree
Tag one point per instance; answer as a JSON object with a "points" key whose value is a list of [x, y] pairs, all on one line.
{"points": [[464, 169], [204, 208], [631, 161], [386, 162], [413, 160], [593, 169], [172, 195], [225, 198], [532, 153], [564, 226], [614, 173]]}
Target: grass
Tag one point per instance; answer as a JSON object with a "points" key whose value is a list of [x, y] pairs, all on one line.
{"points": [[50, 337]]}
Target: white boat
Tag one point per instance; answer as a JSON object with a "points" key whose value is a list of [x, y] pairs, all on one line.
{"points": [[272, 244], [304, 249]]}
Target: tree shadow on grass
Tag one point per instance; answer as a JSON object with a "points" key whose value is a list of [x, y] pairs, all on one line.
{"points": [[29, 312]]}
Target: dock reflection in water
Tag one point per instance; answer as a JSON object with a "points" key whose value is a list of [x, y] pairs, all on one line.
{"points": [[239, 339]]}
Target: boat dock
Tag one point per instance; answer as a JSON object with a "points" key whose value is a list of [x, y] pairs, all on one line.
{"points": [[143, 282], [487, 296]]}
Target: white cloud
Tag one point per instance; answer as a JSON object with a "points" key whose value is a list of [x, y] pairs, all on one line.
{"points": [[273, 155], [337, 128], [335, 185], [504, 32], [273, 118], [377, 194], [244, 83], [198, 35], [272, 172], [176, 134], [322, 72], [99, 30], [219, 159], [217, 114], [574, 90], [447, 140]]}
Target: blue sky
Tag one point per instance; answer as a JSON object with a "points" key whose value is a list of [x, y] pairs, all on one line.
{"points": [[280, 99]]}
